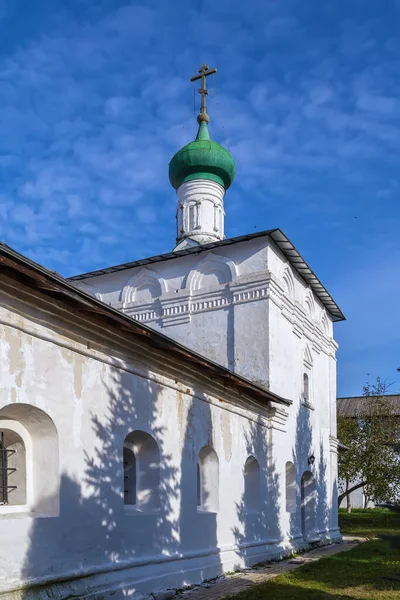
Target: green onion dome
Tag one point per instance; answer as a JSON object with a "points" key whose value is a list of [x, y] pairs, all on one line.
{"points": [[202, 159]]}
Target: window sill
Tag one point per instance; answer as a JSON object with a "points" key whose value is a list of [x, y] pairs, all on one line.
{"points": [[307, 404], [20, 512], [205, 511], [132, 510]]}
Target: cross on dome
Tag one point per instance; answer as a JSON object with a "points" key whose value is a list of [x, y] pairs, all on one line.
{"points": [[204, 72], [201, 172]]}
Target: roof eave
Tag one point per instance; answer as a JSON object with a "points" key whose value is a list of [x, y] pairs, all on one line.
{"points": [[278, 237]]}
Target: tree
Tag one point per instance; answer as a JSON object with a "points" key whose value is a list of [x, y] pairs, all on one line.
{"points": [[372, 460]]}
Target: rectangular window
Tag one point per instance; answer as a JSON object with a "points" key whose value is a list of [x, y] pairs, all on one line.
{"points": [[192, 218]]}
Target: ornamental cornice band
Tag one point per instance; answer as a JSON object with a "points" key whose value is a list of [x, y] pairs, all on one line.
{"points": [[178, 308]]}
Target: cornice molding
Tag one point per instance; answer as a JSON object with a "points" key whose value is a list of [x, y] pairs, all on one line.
{"points": [[333, 444], [278, 418]]}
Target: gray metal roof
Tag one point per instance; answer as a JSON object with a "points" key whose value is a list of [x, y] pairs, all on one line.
{"points": [[58, 288], [357, 406], [278, 237]]}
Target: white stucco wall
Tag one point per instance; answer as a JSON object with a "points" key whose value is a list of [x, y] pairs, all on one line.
{"points": [[95, 386], [200, 213], [246, 308]]}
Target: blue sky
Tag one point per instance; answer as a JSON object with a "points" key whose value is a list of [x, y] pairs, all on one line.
{"points": [[95, 99]]}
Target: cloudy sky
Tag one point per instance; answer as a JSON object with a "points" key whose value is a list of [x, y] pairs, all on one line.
{"points": [[95, 98]]}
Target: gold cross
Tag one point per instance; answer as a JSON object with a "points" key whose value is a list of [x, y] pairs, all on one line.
{"points": [[204, 72]]}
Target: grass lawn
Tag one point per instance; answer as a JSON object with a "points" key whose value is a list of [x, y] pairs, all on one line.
{"points": [[358, 574]]}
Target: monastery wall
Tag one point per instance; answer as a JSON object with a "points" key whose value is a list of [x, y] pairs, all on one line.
{"points": [[213, 489]]}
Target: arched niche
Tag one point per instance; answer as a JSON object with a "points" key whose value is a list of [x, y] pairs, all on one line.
{"points": [[212, 271], [287, 280], [144, 287], [324, 323], [309, 304], [141, 456], [207, 480], [32, 434], [252, 497]]}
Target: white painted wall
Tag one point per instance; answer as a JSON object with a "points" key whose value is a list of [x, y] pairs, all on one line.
{"points": [[245, 307], [96, 387], [200, 214]]}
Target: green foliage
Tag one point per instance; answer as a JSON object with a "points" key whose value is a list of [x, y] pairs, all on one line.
{"points": [[372, 458]]}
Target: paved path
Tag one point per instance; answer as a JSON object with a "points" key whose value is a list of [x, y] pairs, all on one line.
{"points": [[233, 584]]}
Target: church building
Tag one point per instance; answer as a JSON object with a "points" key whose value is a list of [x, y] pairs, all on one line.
{"points": [[166, 420]]}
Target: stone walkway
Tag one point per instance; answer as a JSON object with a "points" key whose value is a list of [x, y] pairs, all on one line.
{"points": [[233, 584]]}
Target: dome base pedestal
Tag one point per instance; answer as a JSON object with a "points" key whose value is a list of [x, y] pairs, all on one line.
{"points": [[200, 213]]}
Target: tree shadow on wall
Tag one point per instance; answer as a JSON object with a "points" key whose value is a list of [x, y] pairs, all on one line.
{"points": [[199, 496], [96, 542], [297, 514], [289, 514], [310, 521], [143, 528], [259, 506], [310, 459]]}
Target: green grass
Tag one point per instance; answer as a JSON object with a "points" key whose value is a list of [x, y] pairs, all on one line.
{"points": [[369, 523], [359, 574]]}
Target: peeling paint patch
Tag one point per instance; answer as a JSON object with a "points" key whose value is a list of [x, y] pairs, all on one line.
{"points": [[179, 398], [77, 423], [15, 355], [226, 434], [210, 433], [78, 375]]}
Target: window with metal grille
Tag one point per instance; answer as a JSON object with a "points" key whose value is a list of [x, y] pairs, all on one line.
{"points": [[129, 476], [29, 462], [12, 469]]}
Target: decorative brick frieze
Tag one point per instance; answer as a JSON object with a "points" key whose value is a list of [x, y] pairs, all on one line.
{"points": [[177, 308]]}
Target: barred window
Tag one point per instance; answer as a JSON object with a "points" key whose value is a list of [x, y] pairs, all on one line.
{"points": [[12, 469]]}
